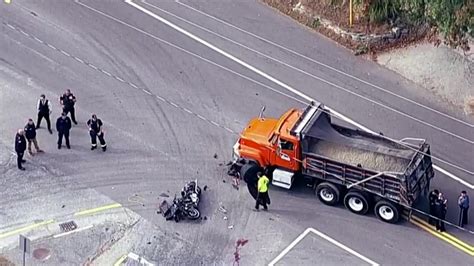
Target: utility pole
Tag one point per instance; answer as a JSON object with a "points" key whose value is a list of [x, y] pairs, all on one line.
{"points": [[350, 13]]}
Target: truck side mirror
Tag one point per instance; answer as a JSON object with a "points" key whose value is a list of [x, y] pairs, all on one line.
{"points": [[261, 112]]}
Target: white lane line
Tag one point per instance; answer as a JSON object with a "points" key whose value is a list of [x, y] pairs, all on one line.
{"points": [[64, 52], [78, 59], [261, 73], [325, 237], [106, 72], [315, 77], [453, 176], [38, 40], [322, 64], [92, 66], [10, 26], [147, 92], [52, 46]]}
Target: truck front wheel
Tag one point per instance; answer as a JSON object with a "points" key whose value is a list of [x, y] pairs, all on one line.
{"points": [[387, 211], [356, 202], [248, 173], [328, 193]]}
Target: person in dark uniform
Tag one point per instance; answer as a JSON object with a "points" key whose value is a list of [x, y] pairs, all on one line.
{"points": [[30, 133], [440, 211], [44, 110], [463, 202], [63, 125], [433, 196], [68, 100], [20, 147], [95, 130]]}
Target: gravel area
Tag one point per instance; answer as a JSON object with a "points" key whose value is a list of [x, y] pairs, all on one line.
{"points": [[441, 70]]}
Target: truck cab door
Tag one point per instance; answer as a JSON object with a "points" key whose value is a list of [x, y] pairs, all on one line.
{"points": [[285, 154]]}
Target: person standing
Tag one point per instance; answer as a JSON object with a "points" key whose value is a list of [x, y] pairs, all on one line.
{"points": [[44, 110], [440, 211], [433, 196], [68, 100], [30, 133], [63, 125], [20, 147], [95, 130], [262, 187], [463, 202]]}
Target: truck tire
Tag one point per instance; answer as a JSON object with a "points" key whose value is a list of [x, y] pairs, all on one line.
{"points": [[387, 211], [328, 193], [248, 172], [356, 202]]}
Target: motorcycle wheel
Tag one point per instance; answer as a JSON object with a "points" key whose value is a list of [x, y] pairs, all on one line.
{"points": [[193, 214]]}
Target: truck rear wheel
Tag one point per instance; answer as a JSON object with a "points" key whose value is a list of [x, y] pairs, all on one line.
{"points": [[387, 211], [356, 202], [328, 193]]}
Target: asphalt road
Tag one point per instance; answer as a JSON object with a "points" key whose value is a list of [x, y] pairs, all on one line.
{"points": [[170, 105]]}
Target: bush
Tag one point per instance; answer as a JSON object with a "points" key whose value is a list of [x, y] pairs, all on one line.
{"points": [[453, 18]]}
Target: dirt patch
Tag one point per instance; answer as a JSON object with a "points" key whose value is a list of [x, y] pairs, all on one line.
{"points": [[439, 69], [5, 262], [470, 105]]}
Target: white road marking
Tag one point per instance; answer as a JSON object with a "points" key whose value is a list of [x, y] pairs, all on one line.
{"points": [[321, 63], [106, 72], [325, 237], [52, 46], [147, 92], [119, 79], [78, 59], [65, 53], [38, 40], [315, 77], [261, 73], [453, 176]]}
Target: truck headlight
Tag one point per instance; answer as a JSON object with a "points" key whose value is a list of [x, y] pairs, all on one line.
{"points": [[235, 151]]}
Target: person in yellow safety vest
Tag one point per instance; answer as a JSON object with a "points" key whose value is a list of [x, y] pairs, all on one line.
{"points": [[262, 187]]}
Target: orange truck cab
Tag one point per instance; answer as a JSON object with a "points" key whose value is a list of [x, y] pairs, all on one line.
{"points": [[339, 163]]}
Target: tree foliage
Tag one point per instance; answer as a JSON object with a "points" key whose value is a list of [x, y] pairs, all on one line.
{"points": [[453, 18]]}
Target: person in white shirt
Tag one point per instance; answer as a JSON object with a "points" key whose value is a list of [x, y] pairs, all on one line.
{"points": [[44, 110]]}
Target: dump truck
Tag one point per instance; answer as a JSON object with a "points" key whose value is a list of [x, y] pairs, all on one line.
{"points": [[363, 170]]}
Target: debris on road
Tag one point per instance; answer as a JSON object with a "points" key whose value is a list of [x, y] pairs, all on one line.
{"points": [[164, 195], [205, 188], [215, 155], [221, 208], [225, 218], [230, 227]]}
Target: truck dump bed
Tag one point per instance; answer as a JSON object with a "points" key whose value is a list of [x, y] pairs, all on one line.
{"points": [[345, 156]]}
